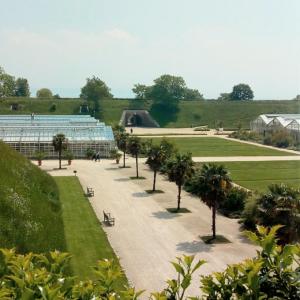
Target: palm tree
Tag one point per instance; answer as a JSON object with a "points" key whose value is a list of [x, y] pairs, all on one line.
{"points": [[59, 143], [123, 144], [212, 183], [135, 148], [281, 205], [156, 157], [118, 130], [179, 169]]}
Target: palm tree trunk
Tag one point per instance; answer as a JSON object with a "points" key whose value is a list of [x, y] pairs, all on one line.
{"points": [[123, 159], [178, 197], [154, 180], [137, 166], [214, 218], [59, 158]]}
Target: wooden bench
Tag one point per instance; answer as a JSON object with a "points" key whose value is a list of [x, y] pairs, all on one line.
{"points": [[89, 192], [108, 219]]}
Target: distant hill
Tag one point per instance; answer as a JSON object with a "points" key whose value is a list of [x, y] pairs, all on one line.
{"points": [[189, 113], [30, 212]]}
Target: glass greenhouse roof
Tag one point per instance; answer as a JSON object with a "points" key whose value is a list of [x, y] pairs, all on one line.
{"points": [[42, 128]]}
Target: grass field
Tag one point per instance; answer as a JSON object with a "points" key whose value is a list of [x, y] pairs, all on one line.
{"points": [[85, 239], [213, 146], [195, 113], [30, 210], [257, 176]]}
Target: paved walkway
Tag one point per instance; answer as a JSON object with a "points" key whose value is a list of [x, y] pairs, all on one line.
{"points": [[146, 237]]}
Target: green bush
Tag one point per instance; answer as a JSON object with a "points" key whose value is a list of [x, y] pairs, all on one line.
{"points": [[272, 274], [281, 139], [234, 201]]}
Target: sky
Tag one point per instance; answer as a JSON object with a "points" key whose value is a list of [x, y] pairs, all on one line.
{"points": [[212, 44]]}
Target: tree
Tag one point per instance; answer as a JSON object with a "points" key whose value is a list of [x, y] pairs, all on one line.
{"points": [[192, 94], [141, 91], [241, 92], [59, 143], [281, 205], [135, 148], [224, 97], [212, 183], [44, 93], [122, 145], [179, 169], [95, 89], [7, 84], [168, 89], [118, 130], [156, 157], [22, 88]]}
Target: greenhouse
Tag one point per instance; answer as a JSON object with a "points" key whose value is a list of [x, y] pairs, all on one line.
{"points": [[273, 122], [29, 134]]}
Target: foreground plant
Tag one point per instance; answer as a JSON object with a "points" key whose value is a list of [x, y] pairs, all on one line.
{"points": [[274, 273]]}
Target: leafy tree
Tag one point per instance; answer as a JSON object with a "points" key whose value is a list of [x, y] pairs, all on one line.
{"points": [[241, 92], [118, 130], [179, 169], [7, 84], [211, 185], [44, 93], [224, 97], [59, 143], [168, 89], [135, 147], [123, 144], [95, 89], [192, 94], [56, 96], [22, 88], [156, 157], [281, 205], [141, 91]]}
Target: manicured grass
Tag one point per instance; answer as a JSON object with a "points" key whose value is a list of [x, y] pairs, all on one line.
{"points": [[257, 176], [85, 238], [213, 146], [137, 178], [154, 192], [194, 113]]}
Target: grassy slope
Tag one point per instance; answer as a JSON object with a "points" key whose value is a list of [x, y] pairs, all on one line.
{"points": [[30, 212], [85, 238], [258, 175], [213, 146], [189, 112]]}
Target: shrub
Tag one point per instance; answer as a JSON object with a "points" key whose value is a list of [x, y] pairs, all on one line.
{"points": [[249, 213], [53, 107], [234, 201], [89, 153], [281, 139]]}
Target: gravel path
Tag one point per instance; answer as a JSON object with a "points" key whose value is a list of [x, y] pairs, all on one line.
{"points": [[146, 237]]}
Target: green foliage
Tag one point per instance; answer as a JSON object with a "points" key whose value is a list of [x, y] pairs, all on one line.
{"points": [[122, 142], [22, 88], [241, 92], [89, 153], [135, 148], [53, 107], [272, 274], [211, 184], [234, 201], [7, 84], [44, 93], [59, 143], [141, 91], [39, 155], [95, 89], [281, 139], [281, 205], [192, 94], [179, 169], [30, 210], [68, 155]]}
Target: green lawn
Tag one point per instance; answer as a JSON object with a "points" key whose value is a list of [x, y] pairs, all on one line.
{"points": [[257, 176], [213, 146], [85, 238], [194, 113]]}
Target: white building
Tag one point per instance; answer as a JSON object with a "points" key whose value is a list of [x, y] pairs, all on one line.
{"points": [[273, 122]]}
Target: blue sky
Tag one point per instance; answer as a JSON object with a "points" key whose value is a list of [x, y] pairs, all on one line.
{"points": [[211, 44]]}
